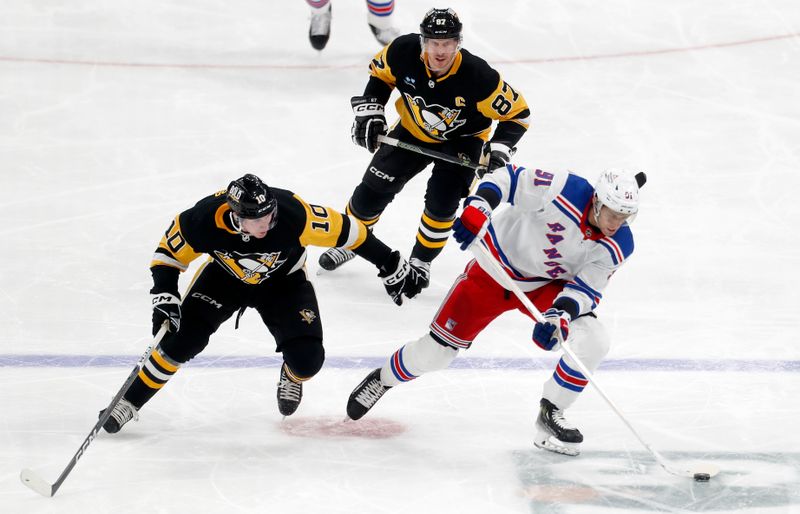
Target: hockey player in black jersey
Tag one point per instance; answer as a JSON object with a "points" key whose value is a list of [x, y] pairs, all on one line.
{"points": [[256, 238], [448, 100]]}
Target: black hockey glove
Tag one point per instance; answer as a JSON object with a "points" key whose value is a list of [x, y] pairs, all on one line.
{"points": [[496, 155], [419, 277], [394, 274], [369, 123], [166, 307]]}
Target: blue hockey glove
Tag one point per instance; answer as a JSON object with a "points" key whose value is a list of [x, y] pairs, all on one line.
{"points": [[544, 334], [473, 222]]}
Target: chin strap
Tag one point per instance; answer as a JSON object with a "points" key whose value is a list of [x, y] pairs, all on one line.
{"points": [[235, 222], [237, 226]]}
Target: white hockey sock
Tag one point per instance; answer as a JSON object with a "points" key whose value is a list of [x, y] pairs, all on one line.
{"points": [[318, 5], [379, 13], [412, 360]]}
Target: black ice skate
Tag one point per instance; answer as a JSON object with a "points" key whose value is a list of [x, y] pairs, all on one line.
{"points": [[320, 29], [122, 412], [554, 433], [289, 394], [384, 36], [366, 395], [333, 258]]}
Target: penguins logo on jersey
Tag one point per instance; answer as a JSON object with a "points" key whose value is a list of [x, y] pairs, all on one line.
{"points": [[250, 268], [308, 316], [436, 120]]}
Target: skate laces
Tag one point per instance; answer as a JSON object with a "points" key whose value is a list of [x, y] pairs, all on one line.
{"points": [[340, 255], [371, 393], [124, 411], [289, 390], [320, 23], [557, 417]]}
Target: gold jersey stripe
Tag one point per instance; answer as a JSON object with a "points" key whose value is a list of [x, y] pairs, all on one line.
{"points": [[174, 243], [292, 376], [161, 361], [437, 224], [430, 244], [219, 218], [323, 225], [149, 383]]}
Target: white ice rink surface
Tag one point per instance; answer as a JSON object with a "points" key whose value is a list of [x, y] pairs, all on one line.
{"points": [[114, 116]]}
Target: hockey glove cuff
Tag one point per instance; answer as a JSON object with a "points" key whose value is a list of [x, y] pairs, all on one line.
{"points": [[394, 274], [419, 277], [370, 122], [166, 307], [496, 155], [473, 222], [555, 328]]}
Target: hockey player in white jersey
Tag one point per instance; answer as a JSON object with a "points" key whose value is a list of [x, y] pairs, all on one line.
{"points": [[561, 240]]}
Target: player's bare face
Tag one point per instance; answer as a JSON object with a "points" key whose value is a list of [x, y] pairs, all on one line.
{"points": [[257, 227], [440, 54], [609, 221]]}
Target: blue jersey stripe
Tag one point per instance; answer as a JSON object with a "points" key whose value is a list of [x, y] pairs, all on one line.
{"points": [[610, 250], [514, 174]]}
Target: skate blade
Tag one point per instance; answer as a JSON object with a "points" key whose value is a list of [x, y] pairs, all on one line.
{"points": [[551, 444]]}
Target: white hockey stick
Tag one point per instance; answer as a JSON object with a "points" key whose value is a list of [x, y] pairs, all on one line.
{"points": [[700, 472], [36, 482]]}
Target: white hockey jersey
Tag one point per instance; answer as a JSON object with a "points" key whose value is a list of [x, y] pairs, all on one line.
{"points": [[543, 234]]}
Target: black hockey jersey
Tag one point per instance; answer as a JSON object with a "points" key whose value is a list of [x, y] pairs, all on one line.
{"points": [[463, 102], [207, 228]]}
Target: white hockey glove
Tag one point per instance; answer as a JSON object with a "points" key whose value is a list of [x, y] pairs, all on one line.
{"points": [[395, 274], [166, 307], [473, 222], [370, 122], [496, 155], [545, 335]]}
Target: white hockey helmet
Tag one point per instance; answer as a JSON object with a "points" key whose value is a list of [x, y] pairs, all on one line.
{"points": [[619, 191]]}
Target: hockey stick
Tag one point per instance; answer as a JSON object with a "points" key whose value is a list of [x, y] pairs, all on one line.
{"points": [[699, 472], [36, 482], [460, 160]]}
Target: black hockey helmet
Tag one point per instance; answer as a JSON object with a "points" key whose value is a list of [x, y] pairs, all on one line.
{"points": [[249, 198], [441, 24]]}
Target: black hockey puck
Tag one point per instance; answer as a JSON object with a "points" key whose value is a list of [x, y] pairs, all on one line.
{"points": [[702, 477]]}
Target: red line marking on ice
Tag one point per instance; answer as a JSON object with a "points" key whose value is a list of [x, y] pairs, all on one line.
{"points": [[212, 66]]}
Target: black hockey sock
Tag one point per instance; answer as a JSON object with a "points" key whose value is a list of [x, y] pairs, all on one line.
{"points": [[158, 369]]}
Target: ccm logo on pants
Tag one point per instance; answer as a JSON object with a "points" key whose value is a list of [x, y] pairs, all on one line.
{"points": [[208, 299], [378, 173]]}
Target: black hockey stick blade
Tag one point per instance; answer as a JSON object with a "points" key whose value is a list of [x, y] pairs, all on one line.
{"points": [[36, 483], [641, 179]]}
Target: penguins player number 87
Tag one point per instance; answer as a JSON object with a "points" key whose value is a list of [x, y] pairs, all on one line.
{"points": [[501, 104]]}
